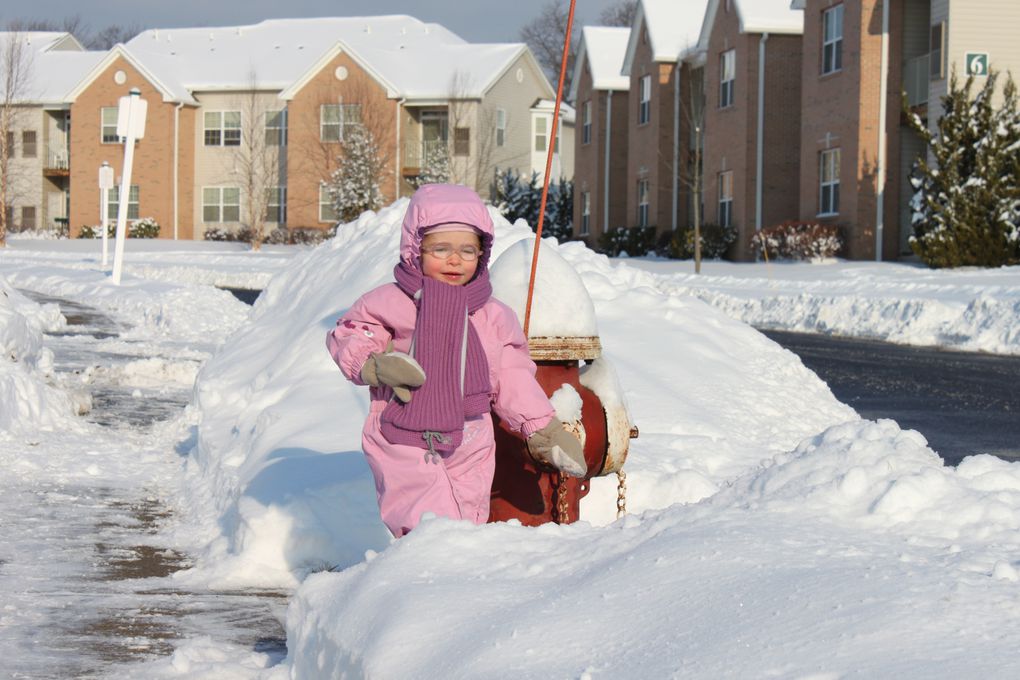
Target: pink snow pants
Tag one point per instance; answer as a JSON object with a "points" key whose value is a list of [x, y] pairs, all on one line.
{"points": [[406, 486]]}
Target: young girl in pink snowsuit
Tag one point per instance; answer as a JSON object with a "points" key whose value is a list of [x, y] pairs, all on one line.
{"points": [[438, 352]]}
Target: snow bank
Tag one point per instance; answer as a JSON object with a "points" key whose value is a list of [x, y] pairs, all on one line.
{"points": [[966, 309], [278, 461], [806, 567], [28, 403]]}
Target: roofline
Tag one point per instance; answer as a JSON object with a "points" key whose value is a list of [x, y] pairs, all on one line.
{"points": [[120, 50], [339, 47], [635, 33], [582, 54], [81, 48], [510, 62]]}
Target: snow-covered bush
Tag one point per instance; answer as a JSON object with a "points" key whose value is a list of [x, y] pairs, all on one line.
{"points": [[354, 185], [794, 240], [147, 227], [517, 199], [966, 209], [244, 235]]}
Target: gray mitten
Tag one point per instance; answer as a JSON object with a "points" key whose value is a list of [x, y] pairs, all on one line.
{"points": [[554, 446], [398, 370]]}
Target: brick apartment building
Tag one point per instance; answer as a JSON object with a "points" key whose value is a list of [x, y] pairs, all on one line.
{"points": [[752, 115], [600, 161], [281, 95]]}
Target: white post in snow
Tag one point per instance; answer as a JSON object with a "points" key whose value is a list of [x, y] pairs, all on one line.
{"points": [[105, 184], [130, 126]]}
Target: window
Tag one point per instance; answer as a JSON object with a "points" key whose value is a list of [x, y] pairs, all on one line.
{"points": [[642, 210], [645, 100], [585, 213], [276, 128], [828, 199], [937, 50], [113, 202], [335, 118], [221, 204], [725, 216], [10, 147], [727, 74], [500, 127], [222, 128], [109, 125], [27, 217], [276, 204], [461, 141], [832, 39], [28, 144], [541, 134], [327, 211], [586, 123]]}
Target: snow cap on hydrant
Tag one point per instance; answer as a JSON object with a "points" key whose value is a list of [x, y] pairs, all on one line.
{"points": [[561, 306], [444, 207]]}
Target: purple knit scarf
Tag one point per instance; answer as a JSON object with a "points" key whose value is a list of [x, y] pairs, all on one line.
{"points": [[449, 350]]}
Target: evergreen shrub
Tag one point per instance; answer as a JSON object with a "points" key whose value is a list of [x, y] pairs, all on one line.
{"points": [[715, 242], [634, 241]]}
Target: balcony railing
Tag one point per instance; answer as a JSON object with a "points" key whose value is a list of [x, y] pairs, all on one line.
{"points": [[57, 159], [416, 153], [915, 80]]}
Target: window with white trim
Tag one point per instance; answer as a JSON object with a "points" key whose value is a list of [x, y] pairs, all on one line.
{"points": [[335, 119], [585, 213], [222, 128], [644, 100], [327, 211], [643, 199], [108, 125], [586, 122], [28, 217], [500, 127], [541, 133], [828, 186], [113, 202], [461, 141], [276, 204], [725, 213], [221, 204], [276, 128], [727, 74], [832, 39]]}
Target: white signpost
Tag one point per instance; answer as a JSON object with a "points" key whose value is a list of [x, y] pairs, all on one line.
{"points": [[130, 126], [105, 184]]}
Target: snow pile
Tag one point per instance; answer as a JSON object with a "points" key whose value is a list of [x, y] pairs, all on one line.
{"points": [[807, 567], [967, 309], [28, 403], [278, 463]]}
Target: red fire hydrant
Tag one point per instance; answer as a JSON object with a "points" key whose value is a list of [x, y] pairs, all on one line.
{"points": [[522, 489]]}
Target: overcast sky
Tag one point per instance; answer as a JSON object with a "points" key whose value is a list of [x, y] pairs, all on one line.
{"points": [[473, 20]]}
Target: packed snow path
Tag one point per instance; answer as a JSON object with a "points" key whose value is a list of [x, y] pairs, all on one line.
{"points": [[84, 567]]}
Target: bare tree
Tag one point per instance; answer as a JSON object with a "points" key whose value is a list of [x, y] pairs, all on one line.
{"points": [[257, 159], [15, 73], [472, 145], [693, 109], [619, 14], [544, 36], [112, 35]]}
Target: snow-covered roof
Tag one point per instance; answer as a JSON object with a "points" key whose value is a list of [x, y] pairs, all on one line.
{"points": [[567, 112], [411, 58], [756, 16], [56, 62], [603, 48], [674, 27]]}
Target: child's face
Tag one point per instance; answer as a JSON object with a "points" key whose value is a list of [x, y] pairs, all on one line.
{"points": [[453, 269]]}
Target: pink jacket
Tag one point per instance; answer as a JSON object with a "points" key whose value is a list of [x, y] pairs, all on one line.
{"points": [[386, 314]]}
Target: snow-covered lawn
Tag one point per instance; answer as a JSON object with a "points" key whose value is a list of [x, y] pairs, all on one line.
{"points": [[771, 532]]}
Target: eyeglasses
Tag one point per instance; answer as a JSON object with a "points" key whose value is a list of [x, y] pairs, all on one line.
{"points": [[443, 251]]}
